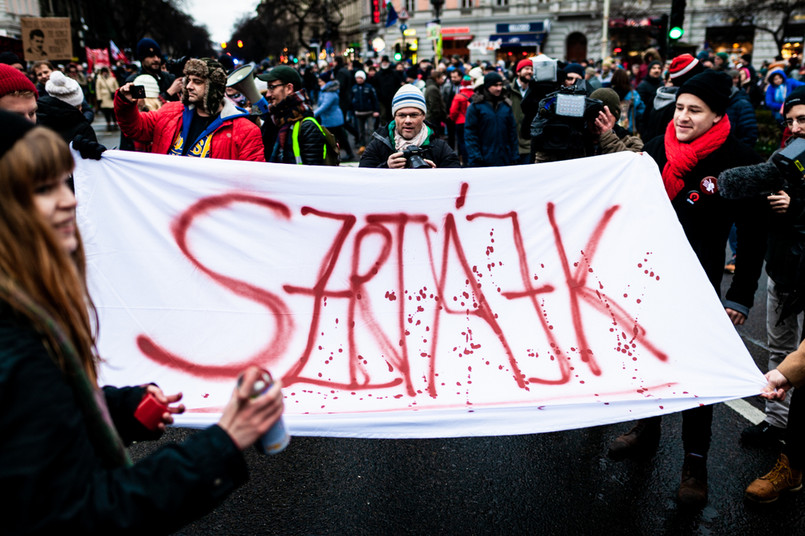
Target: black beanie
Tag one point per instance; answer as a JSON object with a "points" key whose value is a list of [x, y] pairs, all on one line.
{"points": [[490, 79], [15, 127], [794, 98], [713, 87]]}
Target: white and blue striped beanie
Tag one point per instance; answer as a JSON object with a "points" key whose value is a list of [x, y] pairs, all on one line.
{"points": [[408, 96]]}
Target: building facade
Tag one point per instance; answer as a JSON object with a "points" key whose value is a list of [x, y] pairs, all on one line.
{"points": [[571, 30]]}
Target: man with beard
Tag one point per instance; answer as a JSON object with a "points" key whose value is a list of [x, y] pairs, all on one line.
{"points": [[520, 87], [204, 124], [490, 131], [288, 109], [647, 89], [150, 56]]}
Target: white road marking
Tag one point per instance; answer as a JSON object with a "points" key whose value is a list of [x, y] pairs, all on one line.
{"points": [[746, 410]]}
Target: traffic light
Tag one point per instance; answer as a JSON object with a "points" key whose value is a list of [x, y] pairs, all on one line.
{"points": [[397, 52], [676, 20]]}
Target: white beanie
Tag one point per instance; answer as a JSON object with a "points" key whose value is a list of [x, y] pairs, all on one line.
{"points": [[360, 74], [408, 96], [477, 76], [150, 84], [64, 88]]}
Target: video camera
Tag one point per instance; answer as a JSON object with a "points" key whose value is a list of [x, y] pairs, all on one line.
{"points": [[789, 162], [563, 116], [176, 66]]}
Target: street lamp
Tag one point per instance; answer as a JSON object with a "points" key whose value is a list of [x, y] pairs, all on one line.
{"points": [[437, 10]]}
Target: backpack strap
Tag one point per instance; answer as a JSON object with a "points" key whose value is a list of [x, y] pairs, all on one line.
{"points": [[297, 152]]}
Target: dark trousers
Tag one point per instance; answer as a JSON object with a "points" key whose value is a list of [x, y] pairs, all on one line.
{"points": [[341, 135], [696, 429], [462, 148]]}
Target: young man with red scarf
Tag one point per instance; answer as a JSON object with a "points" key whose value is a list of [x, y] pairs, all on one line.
{"points": [[695, 148]]}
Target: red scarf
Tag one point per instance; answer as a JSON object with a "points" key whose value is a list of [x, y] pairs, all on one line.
{"points": [[683, 157]]}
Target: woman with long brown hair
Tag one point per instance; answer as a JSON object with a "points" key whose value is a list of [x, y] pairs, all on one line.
{"points": [[63, 464]]}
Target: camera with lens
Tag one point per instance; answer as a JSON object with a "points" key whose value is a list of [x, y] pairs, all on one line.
{"points": [[414, 157], [176, 66]]}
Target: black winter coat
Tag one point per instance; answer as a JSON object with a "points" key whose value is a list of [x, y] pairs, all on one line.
{"points": [[65, 119], [311, 144], [382, 146], [708, 220], [52, 481]]}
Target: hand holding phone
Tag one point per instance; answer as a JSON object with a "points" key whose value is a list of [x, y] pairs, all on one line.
{"points": [[137, 92]]}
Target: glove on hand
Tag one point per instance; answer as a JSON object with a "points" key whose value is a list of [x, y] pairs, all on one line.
{"points": [[88, 148]]}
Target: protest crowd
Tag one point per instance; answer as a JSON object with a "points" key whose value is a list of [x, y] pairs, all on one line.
{"points": [[696, 116]]}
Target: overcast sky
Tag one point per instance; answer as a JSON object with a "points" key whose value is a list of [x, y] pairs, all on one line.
{"points": [[219, 16]]}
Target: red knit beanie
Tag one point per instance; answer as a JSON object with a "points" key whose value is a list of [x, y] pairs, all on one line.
{"points": [[12, 80], [524, 63], [683, 68]]}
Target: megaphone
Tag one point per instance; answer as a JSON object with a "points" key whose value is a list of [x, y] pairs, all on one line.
{"points": [[242, 79]]}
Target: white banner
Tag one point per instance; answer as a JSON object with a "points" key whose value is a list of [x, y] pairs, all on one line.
{"points": [[407, 303]]}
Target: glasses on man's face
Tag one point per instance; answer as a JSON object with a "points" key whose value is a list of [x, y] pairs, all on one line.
{"points": [[272, 87], [403, 117], [798, 120]]}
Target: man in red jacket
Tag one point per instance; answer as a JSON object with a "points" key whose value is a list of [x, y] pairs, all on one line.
{"points": [[204, 124]]}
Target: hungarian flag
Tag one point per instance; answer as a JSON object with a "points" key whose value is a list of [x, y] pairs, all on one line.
{"points": [[391, 14]]}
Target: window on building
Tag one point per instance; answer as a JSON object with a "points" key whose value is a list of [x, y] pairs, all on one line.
{"points": [[466, 4], [410, 6], [501, 3]]}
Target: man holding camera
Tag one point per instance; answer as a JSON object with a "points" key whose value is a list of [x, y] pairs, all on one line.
{"points": [[204, 124], [785, 266], [407, 139]]}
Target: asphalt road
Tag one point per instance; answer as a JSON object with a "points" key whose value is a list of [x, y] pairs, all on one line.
{"points": [[557, 483]]}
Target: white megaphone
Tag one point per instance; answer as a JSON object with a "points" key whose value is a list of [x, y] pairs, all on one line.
{"points": [[242, 79]]}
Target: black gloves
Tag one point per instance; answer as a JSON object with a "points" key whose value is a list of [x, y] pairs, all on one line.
{"points": [[88, 148]]}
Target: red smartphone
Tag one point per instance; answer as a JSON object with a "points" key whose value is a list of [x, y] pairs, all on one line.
{"points": [[150, 412]]}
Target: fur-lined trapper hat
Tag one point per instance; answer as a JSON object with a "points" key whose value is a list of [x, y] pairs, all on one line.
{"points": [[213, 72]]}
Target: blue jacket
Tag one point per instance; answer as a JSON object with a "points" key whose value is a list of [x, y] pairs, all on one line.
{"points": [[772, 103], [743, 123], [328, 112], [490, 133], [364, 98]]}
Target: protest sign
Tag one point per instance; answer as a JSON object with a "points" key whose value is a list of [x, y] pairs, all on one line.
{"points": [[407, 303], [46, 38]]}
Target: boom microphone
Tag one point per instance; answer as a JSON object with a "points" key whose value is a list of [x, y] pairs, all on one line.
{"points": [[750, 181]]}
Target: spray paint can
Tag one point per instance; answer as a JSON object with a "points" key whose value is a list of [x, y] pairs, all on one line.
{"points": [[277, 438]]}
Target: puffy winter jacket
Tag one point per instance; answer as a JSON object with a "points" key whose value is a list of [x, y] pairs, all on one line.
{"points": [[382, 146], [774, 102], [743, 121], [236, 138], [65, 119], [490, 133], [328, 112]]}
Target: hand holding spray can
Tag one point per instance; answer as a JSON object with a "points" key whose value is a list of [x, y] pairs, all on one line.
{"points": [[276, 439]]}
